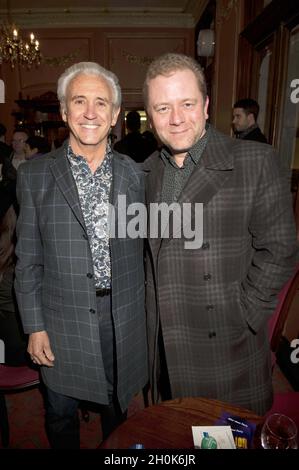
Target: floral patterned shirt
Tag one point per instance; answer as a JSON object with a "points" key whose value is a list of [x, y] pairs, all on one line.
{"points": [[94, 195]]}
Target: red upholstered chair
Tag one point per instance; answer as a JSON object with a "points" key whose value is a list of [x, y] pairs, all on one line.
{"points": [[286, 403], [12, 379]]}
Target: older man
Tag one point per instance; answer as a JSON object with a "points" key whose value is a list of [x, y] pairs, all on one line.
{"points": [[209, 304], [81, 292]]}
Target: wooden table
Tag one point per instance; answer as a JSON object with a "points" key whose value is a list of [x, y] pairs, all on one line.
{"points": [[168, 425]]}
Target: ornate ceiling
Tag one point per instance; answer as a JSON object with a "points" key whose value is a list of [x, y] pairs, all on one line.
{"points": [[78, 13]]}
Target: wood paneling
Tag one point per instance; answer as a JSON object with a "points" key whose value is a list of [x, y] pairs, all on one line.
{"points": [[125, 51]]}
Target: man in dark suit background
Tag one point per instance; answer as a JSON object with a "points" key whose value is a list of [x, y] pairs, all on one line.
{"points": [[80, 291], [134, 143], [245, 114], [208, 304]]}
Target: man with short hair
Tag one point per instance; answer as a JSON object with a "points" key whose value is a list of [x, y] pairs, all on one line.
{"points": [[133, 144], [36, 146], [80, 291], [208, 306], [18, 142], [245, 125]]}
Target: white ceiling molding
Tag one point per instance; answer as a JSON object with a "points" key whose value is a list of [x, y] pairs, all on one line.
{"points": [[44, 17]]}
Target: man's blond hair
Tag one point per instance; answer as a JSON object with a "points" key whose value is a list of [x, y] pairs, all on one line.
{"points": [[170, 62]]}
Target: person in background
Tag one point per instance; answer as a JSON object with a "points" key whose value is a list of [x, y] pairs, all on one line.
{"points": [[62, 135], [208, 304], [5, 150], [35, 147], [18, 155], [151, 142], [245, 114], [81, 292], [133, 144], [11, 332]]}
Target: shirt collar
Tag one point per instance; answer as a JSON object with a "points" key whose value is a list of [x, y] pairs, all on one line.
{"points": [[73, 157], [195, 152], [242, 134]]}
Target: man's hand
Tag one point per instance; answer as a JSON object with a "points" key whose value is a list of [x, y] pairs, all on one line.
{"points": [[40, 350]]}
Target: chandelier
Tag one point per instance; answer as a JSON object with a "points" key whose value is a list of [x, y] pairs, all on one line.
{"points": [[16, 50]]}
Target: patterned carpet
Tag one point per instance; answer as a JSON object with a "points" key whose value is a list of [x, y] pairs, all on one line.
{"points": [[26, 421]]}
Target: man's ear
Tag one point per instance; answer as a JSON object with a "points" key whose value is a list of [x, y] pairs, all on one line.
{"points": [[149, 120], [206, 106], [63, 113], [250, 119], [252, 116], [115, 114]]}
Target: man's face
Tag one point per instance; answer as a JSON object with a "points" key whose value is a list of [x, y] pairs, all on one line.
{"points": [[19, 141], [177, 111], [89, 113], [241, 120]]}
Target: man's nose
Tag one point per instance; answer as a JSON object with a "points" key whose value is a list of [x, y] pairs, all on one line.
{"points": [[176, 116], [90, 111]]}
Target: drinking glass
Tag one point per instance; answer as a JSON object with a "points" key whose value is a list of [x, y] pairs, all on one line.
{"points": [[279, 432]]}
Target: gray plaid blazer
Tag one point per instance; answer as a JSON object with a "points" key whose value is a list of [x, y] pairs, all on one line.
{"points": [[214, 302], [54, 292]]}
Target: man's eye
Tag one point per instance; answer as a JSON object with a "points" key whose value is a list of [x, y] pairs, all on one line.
{"points": [[188, 105], [162, 109], [78, 101]]}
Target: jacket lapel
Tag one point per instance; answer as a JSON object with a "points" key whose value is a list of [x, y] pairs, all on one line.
{"points": [[64, 178], [121, 180], [209, 176], [211, 173], [154, 170]]}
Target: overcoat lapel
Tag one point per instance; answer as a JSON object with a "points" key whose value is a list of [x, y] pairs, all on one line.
{"points": [[154, 169], [64, 178], [211, 173], [209, 176]]}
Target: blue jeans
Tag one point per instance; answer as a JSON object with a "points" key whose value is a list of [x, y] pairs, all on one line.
{"points": [[62, 421]]}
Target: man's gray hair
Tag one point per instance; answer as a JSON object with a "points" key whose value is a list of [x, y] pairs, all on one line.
{"points": [[170, 62], [88, 68]]}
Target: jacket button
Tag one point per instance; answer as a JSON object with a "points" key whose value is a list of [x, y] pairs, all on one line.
{"points": [[209, 307], [91, 310], [206, 246], [212, 334], [207, 277], [89, 275]]}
